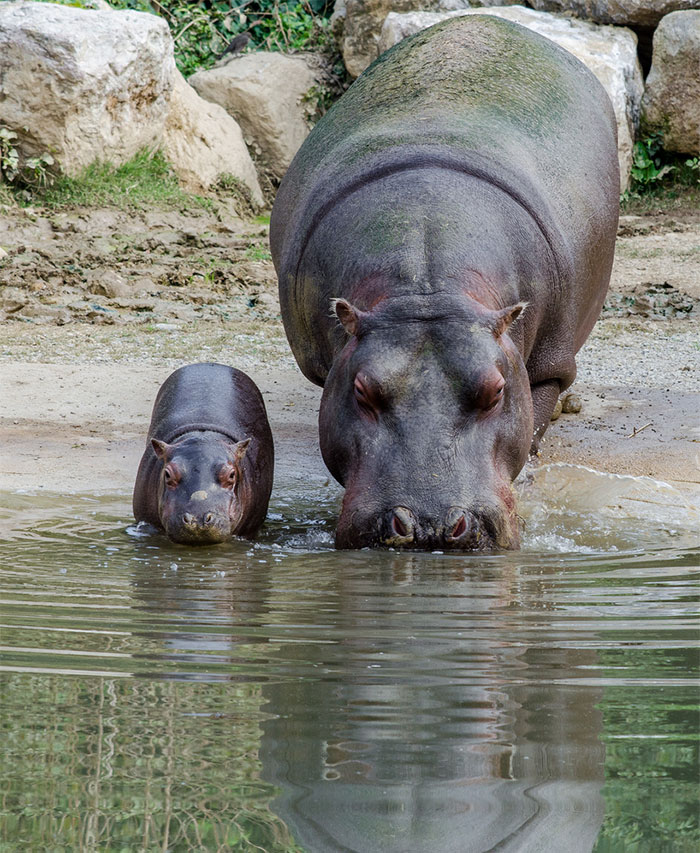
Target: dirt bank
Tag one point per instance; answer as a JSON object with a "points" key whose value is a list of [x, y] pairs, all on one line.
{"points": [[98, 306]]}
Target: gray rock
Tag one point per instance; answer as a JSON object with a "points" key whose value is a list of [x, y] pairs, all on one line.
{"points": [[362, 23], [266, 93], [203, 143], [609, 52], [83, 85], [638, 13], [107, 282], [671, 101]]}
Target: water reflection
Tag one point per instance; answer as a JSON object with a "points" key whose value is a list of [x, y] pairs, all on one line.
{"points": [[477, 749], [281, 696]]}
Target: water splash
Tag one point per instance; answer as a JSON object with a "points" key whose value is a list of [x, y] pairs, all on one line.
{"points": [[574, 508]]}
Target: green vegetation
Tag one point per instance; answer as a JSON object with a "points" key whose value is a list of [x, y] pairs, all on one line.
{"points": [[258, 252], [202, 30], [146, 178], [660, 177]]}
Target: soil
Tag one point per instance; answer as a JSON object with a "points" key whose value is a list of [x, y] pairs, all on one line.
{"points": [[97, 306]]}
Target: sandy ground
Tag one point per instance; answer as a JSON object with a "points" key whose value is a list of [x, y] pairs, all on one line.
{"points": [[98, 307]]}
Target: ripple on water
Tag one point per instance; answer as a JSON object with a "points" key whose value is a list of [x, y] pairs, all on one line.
{"points": [[254, 690]]}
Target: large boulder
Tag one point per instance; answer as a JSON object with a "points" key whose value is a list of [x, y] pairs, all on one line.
{"points": [[203, 143], [632, 13], [671, 101], [270, 95], [609, 52], [84, 85], [360, 22]]}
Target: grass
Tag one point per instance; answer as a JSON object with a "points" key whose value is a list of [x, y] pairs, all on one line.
{"points": [[662, 199], [145, 179], [258, 252], [6, 197]]}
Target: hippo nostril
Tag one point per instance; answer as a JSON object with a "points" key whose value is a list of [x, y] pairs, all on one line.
{"points": [[460, 528], [209, 519], [188, 519], [457, 525], [401, 526]]}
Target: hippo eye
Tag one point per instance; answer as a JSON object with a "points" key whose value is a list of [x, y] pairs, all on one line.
{"points": [[171, 477], [365, 399], [227, 478], [495, 397]]}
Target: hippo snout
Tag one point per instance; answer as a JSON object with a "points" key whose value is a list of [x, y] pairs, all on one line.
{"points": [[456, 529], [204, 528]]}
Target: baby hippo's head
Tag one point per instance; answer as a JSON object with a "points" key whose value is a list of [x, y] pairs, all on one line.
{"points": [[207, 488]]}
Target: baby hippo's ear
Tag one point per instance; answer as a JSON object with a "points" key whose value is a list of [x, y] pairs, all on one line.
{"points": [[349, 316], [238, 450], [503, 319], [161, 449]]}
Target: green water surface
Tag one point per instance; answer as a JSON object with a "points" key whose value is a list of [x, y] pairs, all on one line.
{"points": [[282, 696]]}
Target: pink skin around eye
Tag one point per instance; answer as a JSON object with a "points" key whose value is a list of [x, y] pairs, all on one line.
{"points": [[491, 392], [227, 477], [366, 398], [172, 476]]}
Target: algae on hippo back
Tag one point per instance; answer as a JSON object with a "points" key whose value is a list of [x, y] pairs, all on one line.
{"points": [[457, 208]]}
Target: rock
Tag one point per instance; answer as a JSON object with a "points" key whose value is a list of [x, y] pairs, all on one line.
{"points": [[637, 13], [203, 143], [83, 85], [12, 300], [557, 411], [571, 404], [265, 93], [362, 23], [107, 282], [609, 52], [37, 312], [3, 253], [671, 101]]}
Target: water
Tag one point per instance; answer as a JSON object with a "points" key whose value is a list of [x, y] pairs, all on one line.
{"points": [[281, 696]]}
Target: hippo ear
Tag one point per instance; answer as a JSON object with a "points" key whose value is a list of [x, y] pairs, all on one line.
{"points": [[160, 448], [502, 320], [348, 315], [238, 450]]}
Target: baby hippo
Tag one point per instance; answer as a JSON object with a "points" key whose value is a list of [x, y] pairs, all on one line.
{"points": [[206, 473]]}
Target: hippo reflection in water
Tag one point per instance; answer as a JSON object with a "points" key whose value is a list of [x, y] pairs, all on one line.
{"points": [[443, 242]]}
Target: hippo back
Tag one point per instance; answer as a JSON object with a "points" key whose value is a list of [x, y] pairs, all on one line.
{"points": [[477, 95]]}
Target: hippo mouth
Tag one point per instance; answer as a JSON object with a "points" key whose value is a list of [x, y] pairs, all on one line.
{"points": [[459, 530], [211, 529]]}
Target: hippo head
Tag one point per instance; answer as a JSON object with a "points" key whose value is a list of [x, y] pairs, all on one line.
{"points": [[203, 490], [426, 418]]}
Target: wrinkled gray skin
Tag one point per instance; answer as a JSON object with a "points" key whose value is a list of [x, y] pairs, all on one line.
{"points": [[207, 470], [443, 242]]}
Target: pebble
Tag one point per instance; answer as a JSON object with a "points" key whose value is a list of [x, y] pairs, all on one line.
{"points": [[571, 404]]}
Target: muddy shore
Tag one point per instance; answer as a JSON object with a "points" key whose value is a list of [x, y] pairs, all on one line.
{"points": [[97, 307]]}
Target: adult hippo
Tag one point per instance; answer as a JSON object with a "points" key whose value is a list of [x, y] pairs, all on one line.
{"points": [[467, 180], [207, 470]]}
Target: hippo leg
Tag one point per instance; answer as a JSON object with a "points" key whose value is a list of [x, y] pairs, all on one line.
{"points": [[544, 399]]}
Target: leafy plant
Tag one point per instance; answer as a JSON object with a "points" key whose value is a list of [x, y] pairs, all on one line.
{"points": [[33, 172], [9, 156], [36, 171], [202, 30], [657, 175], [648, 161]]}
